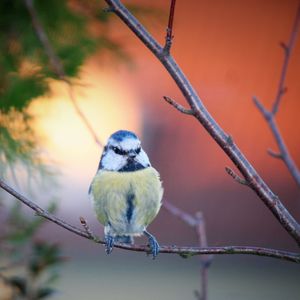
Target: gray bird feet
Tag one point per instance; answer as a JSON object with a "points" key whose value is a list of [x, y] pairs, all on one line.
{"points": [[109, 243], [153, 244]]}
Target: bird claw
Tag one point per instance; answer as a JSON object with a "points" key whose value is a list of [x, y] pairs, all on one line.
{"points": [[109, 244], [153, 244]]}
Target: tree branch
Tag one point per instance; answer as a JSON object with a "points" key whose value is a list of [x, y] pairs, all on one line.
{"points": [[283, 154], [236, 177], [202, 115], [288, 48], [269, 116], [56, 64], [178, 106], [198, 224], [169, 36], [182, 251]]}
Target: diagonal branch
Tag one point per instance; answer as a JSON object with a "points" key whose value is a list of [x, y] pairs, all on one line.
{"points": [[256, 183], [287, 48], [269, 116], [283, 154], [56, 64], [182, 251]]}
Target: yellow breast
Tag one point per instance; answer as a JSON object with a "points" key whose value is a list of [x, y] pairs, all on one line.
{"points": [[127, 201]]}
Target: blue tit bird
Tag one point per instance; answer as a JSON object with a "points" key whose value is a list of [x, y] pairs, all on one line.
{"points": [[126, 191]]}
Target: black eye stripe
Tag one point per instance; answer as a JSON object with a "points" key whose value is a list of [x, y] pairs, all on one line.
{"points": [[123, 152], [119, 151], [138, 150]]}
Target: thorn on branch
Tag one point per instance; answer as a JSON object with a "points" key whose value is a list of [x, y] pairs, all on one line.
{"points": [[236, 177], [274, 154], [178, 106]]}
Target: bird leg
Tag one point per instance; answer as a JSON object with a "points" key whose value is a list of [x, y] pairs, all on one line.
{"points": [[109, 243], [153, 244]]}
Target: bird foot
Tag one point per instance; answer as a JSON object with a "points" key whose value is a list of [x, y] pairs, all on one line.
{"points": [[153, 244], [109, 244]]}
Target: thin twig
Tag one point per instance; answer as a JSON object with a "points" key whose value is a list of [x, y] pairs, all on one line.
{"points": [[205, 259], [256, 183], [198, 224], [169, 35], [82, 116], [175, 211], [42, 36], [283, 154], [288, 48], [269, 116], [274, 154], [178, 106], [57, 65], [236, 177], [182, 251], [87, 229]]}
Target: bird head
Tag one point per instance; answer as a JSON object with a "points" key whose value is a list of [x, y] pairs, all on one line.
{"points": [[123, 153]]}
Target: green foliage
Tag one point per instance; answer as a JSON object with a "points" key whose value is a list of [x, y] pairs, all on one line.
{"points": [[39, 259], [25, 70]]}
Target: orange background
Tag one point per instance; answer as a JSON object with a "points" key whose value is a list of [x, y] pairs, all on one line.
{"points": [[230, 51]]}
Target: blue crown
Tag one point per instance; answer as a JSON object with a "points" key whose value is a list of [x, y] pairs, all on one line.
{"points": [[120, 135]]}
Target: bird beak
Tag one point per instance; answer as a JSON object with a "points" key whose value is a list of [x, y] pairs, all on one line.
{"points": [[131, 154]]}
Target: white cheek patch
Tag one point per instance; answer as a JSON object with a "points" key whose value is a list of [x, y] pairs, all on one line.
{"points": [[143, 159], [112, 161]]}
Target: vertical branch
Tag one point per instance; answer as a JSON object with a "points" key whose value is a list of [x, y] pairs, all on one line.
{"points": [[287, 48], [205, 259], [169, 36], [198, 223], [269, 116]]}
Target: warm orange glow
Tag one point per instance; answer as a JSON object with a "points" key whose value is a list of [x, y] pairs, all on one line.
{"points": [[108, 104]]}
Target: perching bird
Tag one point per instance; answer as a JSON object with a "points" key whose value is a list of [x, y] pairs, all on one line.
{"points": [[126, 191]]}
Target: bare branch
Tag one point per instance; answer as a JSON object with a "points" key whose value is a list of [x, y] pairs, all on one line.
{"points": [[200, 112], [182, 251], [198, 223], [83, 117], [283, 150], [178, 106], [87, 229], [281, 90], [236, 177], [42, 36], [56, 64], [288, 48], [169, 36], [175, 211], [205, 259], [274, 154]]}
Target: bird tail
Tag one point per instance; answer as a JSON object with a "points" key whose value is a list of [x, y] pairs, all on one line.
{"points": [[124, 239]]}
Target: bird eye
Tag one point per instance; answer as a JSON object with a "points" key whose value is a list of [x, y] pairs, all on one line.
{"points": [[118, 151], [138, 150]]}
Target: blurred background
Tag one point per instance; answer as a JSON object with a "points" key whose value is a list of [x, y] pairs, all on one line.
{"points": [[230, 52]]}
